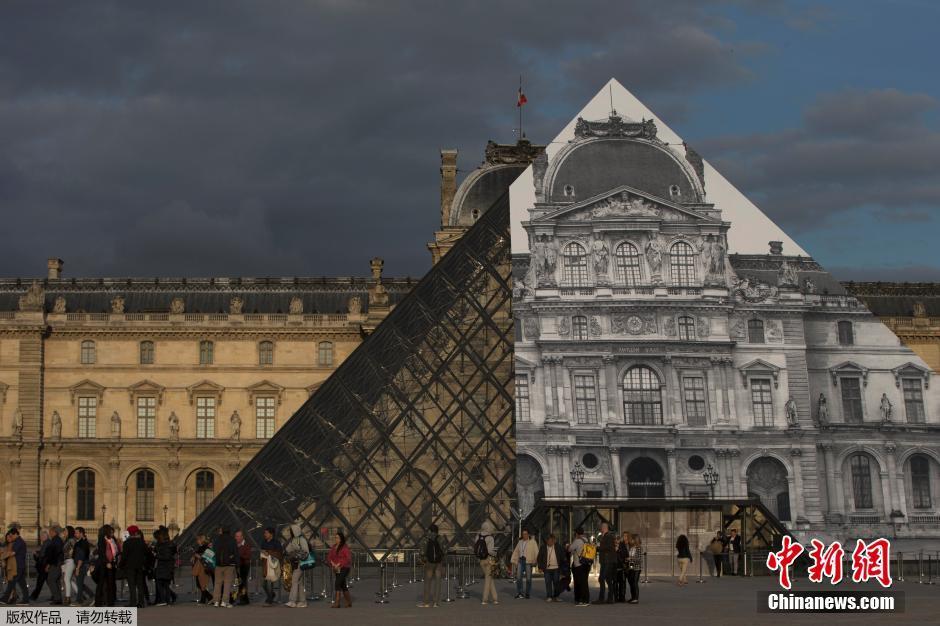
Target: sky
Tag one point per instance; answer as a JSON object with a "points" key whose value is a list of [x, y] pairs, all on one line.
{"points": [[283, 138]]}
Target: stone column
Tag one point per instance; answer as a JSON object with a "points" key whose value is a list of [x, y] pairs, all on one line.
{"points": [[799, 510], [715, 381], [895, 480], [551, 386], [730, 390], [603, 408], [564, 467], [734, 460], [674, 394], [673, 473], [616, 477], [613, 388]]}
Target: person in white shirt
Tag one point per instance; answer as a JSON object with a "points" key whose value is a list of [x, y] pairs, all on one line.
{"points": [[523, 558]]}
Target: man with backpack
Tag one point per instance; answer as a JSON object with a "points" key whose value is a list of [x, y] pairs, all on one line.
{"points": [[226, 558], [433, 562], [580, 551], [485, 550]]}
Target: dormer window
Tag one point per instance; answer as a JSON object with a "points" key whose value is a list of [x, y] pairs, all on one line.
{"points": [[568, 190], [675, 192]]}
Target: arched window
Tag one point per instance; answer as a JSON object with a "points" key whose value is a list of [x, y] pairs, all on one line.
{"points": [[205, 489], [145, 484], [846, 334], [146, 353], [325, 354], [682, 264], [645, 479], [579, 327], [628, 264], [686, 328], [642, 396], [861, 482], [266, 353], [755, 331], [206, 352], [575, 266], [85, 495], [88, 352], [920, 481]]}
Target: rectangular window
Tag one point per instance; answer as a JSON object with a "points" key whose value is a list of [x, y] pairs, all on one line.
{"points": [[579, 328], [846, 334], [145, 485], [695, 400], [205, 417], [851, 400], [206, 352], [85, 497], [264, 417], [762, 402], [87, 416], [522, 398], [585, 399], [755, 331], [146, 417], [914, 400], [146, 353]]}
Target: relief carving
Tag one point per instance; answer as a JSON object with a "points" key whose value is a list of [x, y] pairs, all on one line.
{"points": [[564, 326]]}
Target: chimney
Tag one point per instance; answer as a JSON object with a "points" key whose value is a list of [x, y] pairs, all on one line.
{"points": [[776, 248], [55, 268], [448, 183]]}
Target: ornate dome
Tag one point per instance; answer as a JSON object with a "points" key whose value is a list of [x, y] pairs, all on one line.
{"points": [[480, 190]]}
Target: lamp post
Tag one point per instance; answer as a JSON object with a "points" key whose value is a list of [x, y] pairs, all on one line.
{"points": [[165, 509], [711, 479], [577, 476]]}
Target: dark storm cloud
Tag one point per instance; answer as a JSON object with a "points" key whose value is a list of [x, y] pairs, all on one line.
{"points": [[855, 150], [224, 138]]}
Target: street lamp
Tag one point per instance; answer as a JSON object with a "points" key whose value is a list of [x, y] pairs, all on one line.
{"points": [[165, 509], [577, 475], [711, 479]]}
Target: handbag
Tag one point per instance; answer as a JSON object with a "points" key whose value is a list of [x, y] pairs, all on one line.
{"points": [[588, 552], [309, 562], [208, 558]]}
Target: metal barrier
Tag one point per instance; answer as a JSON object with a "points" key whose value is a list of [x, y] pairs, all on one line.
{"points": [[447, 563], [646, 571], [382, 593]]}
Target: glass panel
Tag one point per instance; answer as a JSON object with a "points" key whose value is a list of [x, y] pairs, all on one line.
{"points": [[851, 400]]}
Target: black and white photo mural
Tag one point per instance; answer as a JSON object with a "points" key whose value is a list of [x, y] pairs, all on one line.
{"points": [[674, 345]]}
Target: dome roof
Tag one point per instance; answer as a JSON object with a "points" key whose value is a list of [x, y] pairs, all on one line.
{"points": [[481, 189], [598, 165]]}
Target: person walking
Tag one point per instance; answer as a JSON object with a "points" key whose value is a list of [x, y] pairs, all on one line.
{"points": [[8, 564], [340, 560], [200, 570], [17, 548], [715, 551], [549, 559], [54, 557], [105, 567], [523, 559], [68, 565], [244, 567], [297, 550], [81, 554], [433, 562], [733, 550], [165, 553], [133, 563], [485, 549], [39, 560], [607, 553], [271, 555], [580, 567], [226, 558], [683, 557]]}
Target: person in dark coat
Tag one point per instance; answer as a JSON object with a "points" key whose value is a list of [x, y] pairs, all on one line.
{"points": [[165, 552], [135, 556], [39, 560], [19, 551], [550, 559], [106, 567], [54, 557], [244, 567]]}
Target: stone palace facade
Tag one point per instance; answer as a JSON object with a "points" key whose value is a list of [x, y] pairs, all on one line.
{"points": [[134, 401], [646, 353]]}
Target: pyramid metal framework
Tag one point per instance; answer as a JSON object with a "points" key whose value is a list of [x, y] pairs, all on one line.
{"points": [[415, 426]]}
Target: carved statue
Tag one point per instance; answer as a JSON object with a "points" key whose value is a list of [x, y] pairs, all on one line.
{"points": [[59, 305], [595, 326], [236, 422], [886, 408], [116, 425], [545, 258], [34, 299], [713, 255], [539, 167], [177, 306], [117, 304], [354, 306], [235, 305], [654, 257], [18, 424], [822, 411], [601, 257], [809, 286], [174, 426], [787, 275], [751, 290], [56, 425], [296, 306], [919, 309], [564, 326], [790, 408]]}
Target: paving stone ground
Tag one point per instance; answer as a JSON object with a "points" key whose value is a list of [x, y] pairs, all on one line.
{"points": [[728, 600]]}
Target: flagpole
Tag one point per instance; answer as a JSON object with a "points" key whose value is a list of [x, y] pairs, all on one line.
{"points": [[521, 131]]}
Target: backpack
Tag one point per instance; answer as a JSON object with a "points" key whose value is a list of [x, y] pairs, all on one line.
{"points": [[433, 552], [480, 548], [588, 553]]}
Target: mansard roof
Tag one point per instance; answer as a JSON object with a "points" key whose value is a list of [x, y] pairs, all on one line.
{"points": [[766, 268], [203, 295], [898, 299]]}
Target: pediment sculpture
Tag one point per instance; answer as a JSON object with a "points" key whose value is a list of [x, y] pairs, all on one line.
{"points": [[752, 290]]}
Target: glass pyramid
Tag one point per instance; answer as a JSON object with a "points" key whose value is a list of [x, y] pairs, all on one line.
{"points": [[415, 426]]}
